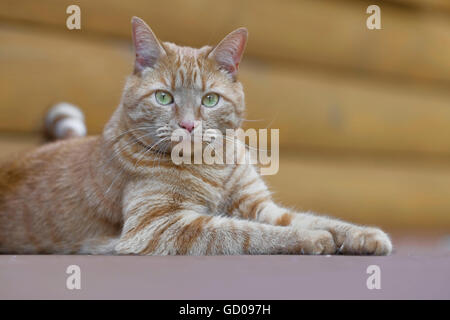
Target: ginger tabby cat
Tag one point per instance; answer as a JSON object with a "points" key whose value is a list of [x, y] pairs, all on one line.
{"points": [[120, 193]]}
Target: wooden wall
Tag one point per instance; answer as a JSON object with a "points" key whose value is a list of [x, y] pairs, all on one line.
{"points": [[364, 115]]}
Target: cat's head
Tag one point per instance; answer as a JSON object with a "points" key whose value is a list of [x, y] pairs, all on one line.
{"points": [[175, 87]]}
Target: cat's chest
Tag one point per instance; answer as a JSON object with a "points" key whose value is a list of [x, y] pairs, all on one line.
{"points": [[207, 188]]}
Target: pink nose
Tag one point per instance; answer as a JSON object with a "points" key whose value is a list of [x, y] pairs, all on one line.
{"points": [[187, 124]]}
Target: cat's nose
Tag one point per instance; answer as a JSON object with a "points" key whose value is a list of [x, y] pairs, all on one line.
{"points": [[187, 124]]}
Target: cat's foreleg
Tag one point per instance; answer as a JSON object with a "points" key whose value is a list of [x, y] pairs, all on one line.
{"points": [[349, 238], [252, 200], [191, 233]]}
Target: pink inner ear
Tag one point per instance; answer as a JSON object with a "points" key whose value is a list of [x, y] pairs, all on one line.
{"points": [[146, 45], [229, 51]]}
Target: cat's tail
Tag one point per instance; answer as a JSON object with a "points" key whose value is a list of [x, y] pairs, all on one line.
{"points": [[63, 121]]}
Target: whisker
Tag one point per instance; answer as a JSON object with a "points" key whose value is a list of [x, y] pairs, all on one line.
{"points": [[246, 145], [117, 152], [274, 118], [253, 120], [124, 133], [120, 173], [149, 149]]}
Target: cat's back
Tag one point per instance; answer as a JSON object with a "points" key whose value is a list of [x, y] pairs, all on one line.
{"points": [[40, 183], [26, 167]]}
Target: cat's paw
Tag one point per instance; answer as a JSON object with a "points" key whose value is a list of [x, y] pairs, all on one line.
{"points": [[366, 241], [316, 242]]}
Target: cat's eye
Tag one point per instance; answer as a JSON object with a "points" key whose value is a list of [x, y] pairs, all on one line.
{"points": [[210, 100], [163, 97]]}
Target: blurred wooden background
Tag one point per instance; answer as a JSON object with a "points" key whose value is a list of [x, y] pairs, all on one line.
{"points": [[364, 115]]}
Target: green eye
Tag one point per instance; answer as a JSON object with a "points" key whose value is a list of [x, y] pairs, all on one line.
{"points": [[163, 97], [210, 100]]}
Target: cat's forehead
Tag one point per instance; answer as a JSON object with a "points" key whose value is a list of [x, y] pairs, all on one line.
{"points": [[186, 67], [186, 54]]}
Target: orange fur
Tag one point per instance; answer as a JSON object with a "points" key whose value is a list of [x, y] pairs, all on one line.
{"points": [[121, 193]]}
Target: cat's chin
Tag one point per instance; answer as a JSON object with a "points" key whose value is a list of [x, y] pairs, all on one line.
{"points": [[188, 148]]}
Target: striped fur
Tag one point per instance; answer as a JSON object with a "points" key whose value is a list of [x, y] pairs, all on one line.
{"points": [[120, 193]]}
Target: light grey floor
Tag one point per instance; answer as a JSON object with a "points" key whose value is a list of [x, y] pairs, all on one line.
{"points": [[404, 275]]}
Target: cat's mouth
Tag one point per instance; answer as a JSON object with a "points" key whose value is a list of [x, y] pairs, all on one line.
{"points": [[159, 145], [164, 141]]}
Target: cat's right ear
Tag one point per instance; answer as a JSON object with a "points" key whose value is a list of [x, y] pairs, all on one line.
{"points": [[146, 45]]}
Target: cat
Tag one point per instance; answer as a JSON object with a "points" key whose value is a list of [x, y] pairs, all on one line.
{"points": [[120, 193]]}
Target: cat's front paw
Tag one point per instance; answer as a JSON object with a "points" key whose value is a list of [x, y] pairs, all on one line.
{"points": [[316, 242], [367, 241]]}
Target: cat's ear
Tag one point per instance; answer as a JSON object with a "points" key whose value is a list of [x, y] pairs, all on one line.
{"points": [[146, 45], [228, 53]]}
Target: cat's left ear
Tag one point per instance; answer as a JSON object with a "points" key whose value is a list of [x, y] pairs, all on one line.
{"points": [[228, 53], [146, 45]]}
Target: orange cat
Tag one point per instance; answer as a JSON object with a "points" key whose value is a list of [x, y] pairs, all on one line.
{"points": [[120, 193]]}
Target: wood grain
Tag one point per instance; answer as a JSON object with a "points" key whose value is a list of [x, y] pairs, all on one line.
{"points": [[40, 69], [437, 5], [311, 109], [320, 111], [395, 195], [343, 96], [413, 44]]}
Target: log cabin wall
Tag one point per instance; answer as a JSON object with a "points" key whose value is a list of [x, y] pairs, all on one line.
{"points": [[364, 115]]}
